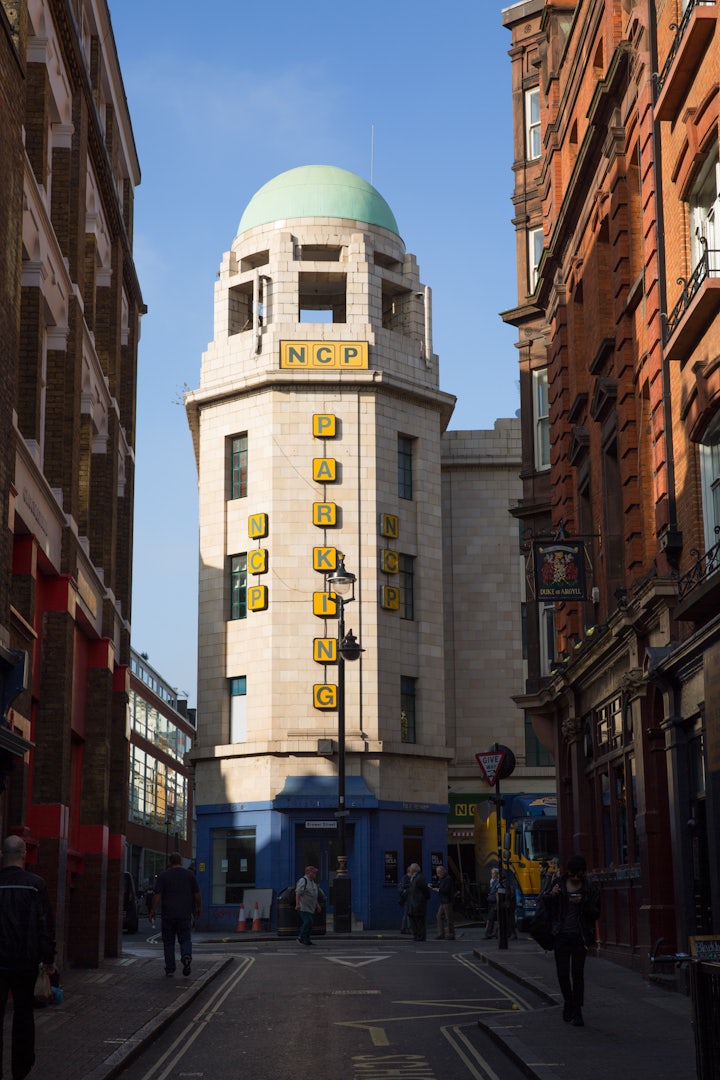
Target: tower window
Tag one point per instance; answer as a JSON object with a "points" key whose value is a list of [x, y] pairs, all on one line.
{"points": [[238, 586], [405, 466], [322, 298], [407, 586], [238, 711], [407, 709], [238, 466]]}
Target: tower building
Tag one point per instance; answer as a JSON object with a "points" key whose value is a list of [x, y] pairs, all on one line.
{"points": [[317, 433]]}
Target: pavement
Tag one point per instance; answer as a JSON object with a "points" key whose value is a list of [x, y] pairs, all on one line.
{"points": [[632, 1027]]}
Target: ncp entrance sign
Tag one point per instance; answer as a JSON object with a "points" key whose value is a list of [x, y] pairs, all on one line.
{"points": [[491, 765]]}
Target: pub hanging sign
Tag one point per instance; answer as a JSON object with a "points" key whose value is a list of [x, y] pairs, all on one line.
{"points": [[559, 570]]}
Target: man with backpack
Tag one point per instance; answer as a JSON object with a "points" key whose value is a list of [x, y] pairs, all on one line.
{"points": [[307, 902]]}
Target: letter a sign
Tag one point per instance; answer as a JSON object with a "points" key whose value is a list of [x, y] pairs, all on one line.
{"points": [[490, 765]]}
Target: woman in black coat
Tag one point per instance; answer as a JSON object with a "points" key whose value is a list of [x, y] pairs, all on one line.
{"points": [[575, 908]]}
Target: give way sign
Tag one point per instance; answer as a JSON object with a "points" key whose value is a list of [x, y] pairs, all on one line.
{"points": [[490, 764]]}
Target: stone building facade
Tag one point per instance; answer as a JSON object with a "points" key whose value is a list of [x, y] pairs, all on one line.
{"points": [[625, 294], [485, 609], [320, 431], [70, 311]]}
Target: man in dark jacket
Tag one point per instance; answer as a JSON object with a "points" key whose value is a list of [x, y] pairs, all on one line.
{"points": [[575, 908], [418, 896], [27, 939], [177, 894], [446, 894]]}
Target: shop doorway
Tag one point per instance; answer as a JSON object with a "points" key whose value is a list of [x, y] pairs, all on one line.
{"points": [[412, 850], [315, 847]]}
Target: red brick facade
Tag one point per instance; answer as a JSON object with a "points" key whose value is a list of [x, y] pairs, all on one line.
{"points": [[69, 313], [626, 183]]}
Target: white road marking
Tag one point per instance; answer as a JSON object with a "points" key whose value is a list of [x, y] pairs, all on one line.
{"points": [[355, 961], [504, 991], [466, 1051], [199, 1022]]}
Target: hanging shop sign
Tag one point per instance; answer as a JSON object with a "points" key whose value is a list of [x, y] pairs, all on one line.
{"points": [[559, 570]]}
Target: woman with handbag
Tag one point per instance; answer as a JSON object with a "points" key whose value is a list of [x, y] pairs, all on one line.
{"points": [[574, 905]]}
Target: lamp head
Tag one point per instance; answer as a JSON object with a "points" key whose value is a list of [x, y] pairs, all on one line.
{"points": [[350, 647], [341, 580]]}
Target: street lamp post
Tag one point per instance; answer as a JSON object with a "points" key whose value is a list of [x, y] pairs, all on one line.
{"points": [[342, 583]]}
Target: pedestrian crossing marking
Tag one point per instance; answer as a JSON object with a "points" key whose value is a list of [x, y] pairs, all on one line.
{"points": [[356, 961]]}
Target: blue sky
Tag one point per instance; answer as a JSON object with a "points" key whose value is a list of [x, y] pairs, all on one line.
{"points": [[225, 95]]}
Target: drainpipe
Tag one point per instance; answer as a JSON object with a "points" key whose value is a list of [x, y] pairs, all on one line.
{"points": [[671, 541], [428, 325]]}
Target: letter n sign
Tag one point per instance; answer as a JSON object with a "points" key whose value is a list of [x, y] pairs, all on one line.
{"points": [[257, 526], [325, 650]]}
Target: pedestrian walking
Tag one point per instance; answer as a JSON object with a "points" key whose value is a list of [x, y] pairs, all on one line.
{"points": [[446, 894], [575, 908], [27, 939], [545, 876], [177, 895], [403, 890], [510, 905], [492, 910], [417, 901], [307, 902]]}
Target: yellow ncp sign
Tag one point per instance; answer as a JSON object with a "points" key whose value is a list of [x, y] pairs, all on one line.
{"points": [[323, 354]]}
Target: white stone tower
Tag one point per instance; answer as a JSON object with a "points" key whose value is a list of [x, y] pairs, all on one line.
{"points": [[317, 429]]}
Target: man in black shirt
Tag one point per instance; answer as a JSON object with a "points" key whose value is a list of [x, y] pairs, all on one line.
{"points": [[178, 896], [27, 939]]}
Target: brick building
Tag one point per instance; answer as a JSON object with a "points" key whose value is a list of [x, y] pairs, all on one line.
{"points": [[69, 312], [617, 180]]}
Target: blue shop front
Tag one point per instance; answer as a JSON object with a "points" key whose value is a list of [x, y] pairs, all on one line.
{"points": [[252, 851]]}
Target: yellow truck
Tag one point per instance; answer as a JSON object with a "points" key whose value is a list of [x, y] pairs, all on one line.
{"points": [[528, 834]]}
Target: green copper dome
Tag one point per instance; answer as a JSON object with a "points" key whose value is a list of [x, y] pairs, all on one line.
{"points": [[318, 191]]}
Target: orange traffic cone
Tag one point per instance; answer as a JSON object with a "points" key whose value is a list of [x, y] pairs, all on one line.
{"points": [[257, 921], [241, 924]]}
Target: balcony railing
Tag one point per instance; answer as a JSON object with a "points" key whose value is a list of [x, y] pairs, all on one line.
{"points": [[708, 266], [679, 29], [706, 564]]}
